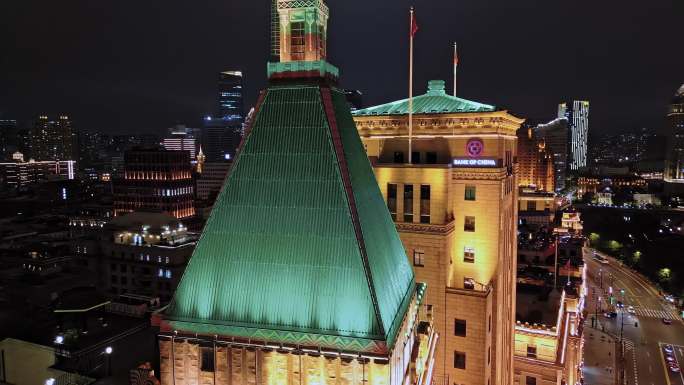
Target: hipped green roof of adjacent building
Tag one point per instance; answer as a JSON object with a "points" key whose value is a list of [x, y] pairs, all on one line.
{"points": [[300, 242], [435, 101]]}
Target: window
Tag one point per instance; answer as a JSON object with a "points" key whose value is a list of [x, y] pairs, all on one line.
{"points": [[418, 258], [123, 267], [531, 206], [297, 45], [469, 224], [468, 254], [408, 203], [415, 157], [469, 193], [425, 204], [124, 281], [531, 351], [167, 274], [459, 360], [167, 260], [207, 363], [113, 279], [430, 157], [398, 157], [392, 200], [530, 380], [160, 273], [468, 283], [460, 327], [112, 267], [321, 41]]}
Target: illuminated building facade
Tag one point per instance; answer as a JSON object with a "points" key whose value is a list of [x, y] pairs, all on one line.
{"points": [[8, 128], [300, 276], [230, 98], [555, 136], [181, 138], [674, 166], [577, 114], [535, 162], [18, 174], [598, 183], [155, 180], [456, 211], [53, 139]]}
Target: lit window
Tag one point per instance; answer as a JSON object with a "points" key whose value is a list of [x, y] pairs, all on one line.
{"points": [[468, 254], [160, 273], [168, 274], [158, 259], [167, 260], [469, 193], [418, 258], [469, 224]]}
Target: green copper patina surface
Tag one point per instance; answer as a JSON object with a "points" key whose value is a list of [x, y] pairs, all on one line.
{"points": [[435, 101], [281, 254], [321, 67]]}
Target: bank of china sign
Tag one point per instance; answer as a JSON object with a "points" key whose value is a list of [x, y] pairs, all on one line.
{"points": [[477, 162]]}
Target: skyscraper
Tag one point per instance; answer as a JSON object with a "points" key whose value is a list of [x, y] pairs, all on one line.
{"points": [[555, 136], [299, 276], [577, 115], [181, 138], [8, 128], [230, 98], [674, 165], [455, 208], [53, 139], [535, 161]]}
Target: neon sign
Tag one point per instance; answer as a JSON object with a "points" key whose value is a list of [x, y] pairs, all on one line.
{"points": [[478, 162]]}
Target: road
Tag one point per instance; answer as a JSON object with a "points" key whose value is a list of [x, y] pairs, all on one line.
{"points": [[644, 332]]}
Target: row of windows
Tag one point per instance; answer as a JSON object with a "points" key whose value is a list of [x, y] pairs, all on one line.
{"points": [[419, 256], [424, 210], [430, 157]]}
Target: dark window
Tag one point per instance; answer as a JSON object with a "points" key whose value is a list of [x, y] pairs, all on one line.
{"points": [[392, 200], [531, 351], [425, 204], [460, 327], [408, 203], [469, 193], [468, 254], [113, 266], [398, 157], [531, 206], [430, 157], [207, 364], [114, 279], [418, 258], [468, 283], [123, 268], [415, 157], [469, 224], [124, 281], [459, 360], [530, 380]]}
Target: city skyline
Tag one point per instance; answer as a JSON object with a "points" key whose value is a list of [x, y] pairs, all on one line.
{"points": [[143, 78]]}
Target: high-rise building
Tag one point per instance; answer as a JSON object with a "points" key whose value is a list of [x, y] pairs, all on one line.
{"points": [[53, 139], [577, 114], [299, 276], [155, 180], [456, 211], [181, 138], [8, 128], [674, 165], [19, 173], [555, 136], [219, 141], [230, 98], [535, 161]]}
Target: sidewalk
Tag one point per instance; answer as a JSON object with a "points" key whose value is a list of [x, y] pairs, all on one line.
{"points": [[599, 357]]}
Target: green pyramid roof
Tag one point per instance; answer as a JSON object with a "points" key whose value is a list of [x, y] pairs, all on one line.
{"points": [[435, 101], [300, 245]]}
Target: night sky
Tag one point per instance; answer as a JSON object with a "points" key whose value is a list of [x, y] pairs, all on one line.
{"points": [[141, 66]]}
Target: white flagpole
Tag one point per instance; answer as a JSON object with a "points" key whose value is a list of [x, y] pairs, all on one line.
{"points": [[455, 65], [410, 151]]}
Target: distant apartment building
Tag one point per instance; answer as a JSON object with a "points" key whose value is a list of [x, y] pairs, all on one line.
{"points": [[140, 253], [53, 139], [535, 161], [555, 136], [155, 180], [577, 114], [19, 173], [8, 128], [210, 181]]}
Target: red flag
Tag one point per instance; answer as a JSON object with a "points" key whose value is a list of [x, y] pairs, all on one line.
{"points": [[414, 24]]}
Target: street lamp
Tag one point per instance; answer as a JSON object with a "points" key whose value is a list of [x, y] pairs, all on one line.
{"points": [[50, 381], [108, 352]]}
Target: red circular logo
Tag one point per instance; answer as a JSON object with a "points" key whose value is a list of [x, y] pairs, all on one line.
{"points": [[474, 147]]}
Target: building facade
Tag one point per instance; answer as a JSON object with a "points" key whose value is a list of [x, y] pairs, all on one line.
{"points": [[210, 181], [53, 139], [230, 98], [155, 180], [19, 174], [455, 209], [555, 136], [299, 276], [577, 114], [181, 138], [535, 163], [674, 166]]}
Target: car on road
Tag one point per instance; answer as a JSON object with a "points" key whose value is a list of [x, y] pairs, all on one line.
{"points": [[673, 367], [669, 358], [668, 349], [610, 314], [667, 321], [631, 310]]}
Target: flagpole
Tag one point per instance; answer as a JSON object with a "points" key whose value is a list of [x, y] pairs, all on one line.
{"points": [[455, 65], [410, 149]]}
